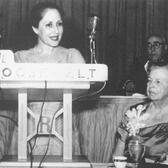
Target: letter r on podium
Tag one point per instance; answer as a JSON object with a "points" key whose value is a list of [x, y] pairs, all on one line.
{"points": [[45, 125]]}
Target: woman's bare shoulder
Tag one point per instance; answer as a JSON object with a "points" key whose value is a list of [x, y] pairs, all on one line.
{"points": [[70, 55], [76, 55], [24, 52], [21, 55]]}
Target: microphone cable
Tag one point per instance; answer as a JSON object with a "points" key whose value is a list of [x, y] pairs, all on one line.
{"points": [[38, 124], [92, 93], [50, 132]]}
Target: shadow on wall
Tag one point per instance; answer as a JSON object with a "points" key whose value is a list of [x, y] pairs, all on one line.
{"points": [[24, 37], [115, 60], [72, 37]]}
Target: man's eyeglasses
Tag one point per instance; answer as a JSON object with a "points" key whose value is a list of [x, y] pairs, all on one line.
{"points": [[155, 44]]}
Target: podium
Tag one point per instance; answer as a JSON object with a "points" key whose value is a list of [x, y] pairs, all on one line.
{"points": [[25, 81]]}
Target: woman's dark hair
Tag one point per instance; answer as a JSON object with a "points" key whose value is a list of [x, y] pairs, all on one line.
{"points": [[38, 10]]}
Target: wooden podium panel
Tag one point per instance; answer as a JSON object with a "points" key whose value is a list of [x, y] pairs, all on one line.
{"points": [[23, 92]]}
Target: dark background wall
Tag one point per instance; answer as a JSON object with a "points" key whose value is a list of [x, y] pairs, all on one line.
{"points": [[120, 38]]}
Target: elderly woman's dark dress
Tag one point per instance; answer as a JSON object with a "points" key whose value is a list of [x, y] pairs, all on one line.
{"points": [[154, 135], [152, 130]]}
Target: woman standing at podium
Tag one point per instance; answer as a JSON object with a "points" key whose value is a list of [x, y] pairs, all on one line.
{"points": [[47, 24]]}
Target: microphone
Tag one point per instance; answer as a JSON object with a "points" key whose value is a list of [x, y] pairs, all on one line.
{"points": [[94, 22]]}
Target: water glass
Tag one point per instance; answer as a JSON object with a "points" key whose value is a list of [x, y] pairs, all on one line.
{"points": [[136, 151]]}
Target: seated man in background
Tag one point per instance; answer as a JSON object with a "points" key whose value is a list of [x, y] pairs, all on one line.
{"points": [[156, 49], [148, 121]]}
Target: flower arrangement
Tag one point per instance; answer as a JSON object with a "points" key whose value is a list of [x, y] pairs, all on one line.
{"points": [[136, 119]]}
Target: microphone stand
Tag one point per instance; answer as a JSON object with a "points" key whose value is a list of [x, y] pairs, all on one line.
{"points": [[93, 47]]}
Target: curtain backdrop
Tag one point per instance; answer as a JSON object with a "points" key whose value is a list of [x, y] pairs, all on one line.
{"points": [[123, 27]]}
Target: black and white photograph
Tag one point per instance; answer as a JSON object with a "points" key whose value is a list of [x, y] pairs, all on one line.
{"points": [[83, 83]]}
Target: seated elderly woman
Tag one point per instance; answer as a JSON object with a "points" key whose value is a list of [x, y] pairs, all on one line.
{"points": [[148, 120]]}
